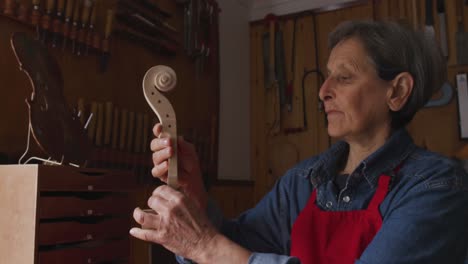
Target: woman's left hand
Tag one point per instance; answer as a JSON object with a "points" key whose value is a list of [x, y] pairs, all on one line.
{"points": [[177, 223]]}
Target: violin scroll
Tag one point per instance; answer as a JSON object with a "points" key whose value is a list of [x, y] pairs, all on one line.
{"points": [[163, 78]]}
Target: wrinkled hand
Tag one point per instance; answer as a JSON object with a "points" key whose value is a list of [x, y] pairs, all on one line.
{"points": [[190, 177], [177, 223]]}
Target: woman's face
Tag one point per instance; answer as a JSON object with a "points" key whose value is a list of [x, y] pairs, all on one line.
{"points": [[354, 97]]}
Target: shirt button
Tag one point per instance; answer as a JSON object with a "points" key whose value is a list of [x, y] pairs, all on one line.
{"points": [[329, 204], [346, 199]]}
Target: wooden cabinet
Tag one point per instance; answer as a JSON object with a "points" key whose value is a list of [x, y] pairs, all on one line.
{"points": [[57, 214]]}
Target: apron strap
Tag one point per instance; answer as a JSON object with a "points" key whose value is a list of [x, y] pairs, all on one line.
{"points": [[382, 189]]}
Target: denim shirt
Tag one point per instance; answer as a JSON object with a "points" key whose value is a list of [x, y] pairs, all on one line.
{"points": [[425, 212]]}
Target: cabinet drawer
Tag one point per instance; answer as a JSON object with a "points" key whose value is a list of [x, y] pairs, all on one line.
{"points": [[108, 252], [61, 178], [71, 206], [52, 233]]}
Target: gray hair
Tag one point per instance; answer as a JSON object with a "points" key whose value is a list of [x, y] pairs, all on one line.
{"points": [[394, 48]]}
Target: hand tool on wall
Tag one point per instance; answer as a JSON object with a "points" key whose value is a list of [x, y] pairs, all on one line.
{"points": [[273, 107], [138, 133], [280, 64], [10, 7], [186, 24], [143, 26], [442, 27], [67, 22], [290, 87], [105, 48], [81, 111], [23, 10], [75, 24], [146, 132], [91, 129], [271, 20], [57, 23], [108, 109], [429, 24], [99, 124], [91, 34], [461, 36], [46, 20], [133, 8], [36, 16], [153, 43], [85, 17], [414, 14], [151, 5], [162, 78], [191, 14], [130, 131], [115, 128], [123, 129]]}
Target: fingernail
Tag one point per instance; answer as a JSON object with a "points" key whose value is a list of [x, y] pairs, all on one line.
{"points": [[132, 231]]}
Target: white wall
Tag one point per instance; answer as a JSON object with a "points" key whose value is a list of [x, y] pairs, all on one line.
{"points": [[282, 7], [234, 122]]}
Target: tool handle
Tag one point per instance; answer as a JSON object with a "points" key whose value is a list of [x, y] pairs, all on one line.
{"points": [[69, 9], [60, 6], [99, 124], [36, 13], [9, 7], [272, 44], [443, 34], [108, 122], [109, 21], [123, 129], [115, 128], [92, 123], [76, 11], [50, 6], [92, 20], [429, 15], [85, 13], [146, 132]]}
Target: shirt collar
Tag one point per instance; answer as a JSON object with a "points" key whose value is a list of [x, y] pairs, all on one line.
{"points": [[384, 160]]}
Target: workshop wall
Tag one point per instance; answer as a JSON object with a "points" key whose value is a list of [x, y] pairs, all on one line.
{"points": [[281, 136], [195, 98]]}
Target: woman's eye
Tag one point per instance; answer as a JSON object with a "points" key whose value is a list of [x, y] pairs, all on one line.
{"points": [[343, 78]]}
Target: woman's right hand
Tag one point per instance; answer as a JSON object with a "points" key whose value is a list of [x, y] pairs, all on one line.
{"points": [[190, 176]]}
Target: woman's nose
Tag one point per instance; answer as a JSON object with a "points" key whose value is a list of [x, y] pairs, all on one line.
{"points": [[325, 92]]}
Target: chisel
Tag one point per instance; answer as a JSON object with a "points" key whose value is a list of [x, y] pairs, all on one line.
{"points": [[74, 27], [57, 24], [66, 24], [90, 34], [46, 20], [36, 16], [106, 41], [84, 25]]}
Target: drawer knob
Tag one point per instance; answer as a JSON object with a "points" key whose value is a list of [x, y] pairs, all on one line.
{"points": [[89, 212], [90, 260], [89, 236], [90, 187]]}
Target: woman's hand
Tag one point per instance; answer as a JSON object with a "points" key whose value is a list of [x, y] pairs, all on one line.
{"points": [[177, 223], [190, 177]]}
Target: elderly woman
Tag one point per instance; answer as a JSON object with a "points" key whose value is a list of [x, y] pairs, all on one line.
{"points": [[373, 197]]}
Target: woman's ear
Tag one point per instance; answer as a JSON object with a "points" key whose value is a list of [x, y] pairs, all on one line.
{"points": [[398, 94]]}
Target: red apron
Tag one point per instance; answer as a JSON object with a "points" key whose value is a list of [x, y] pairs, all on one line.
{"points": [[328, 237]]}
